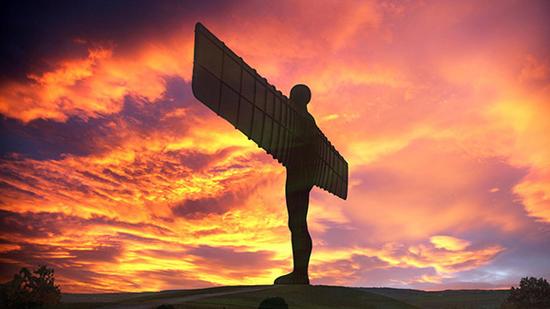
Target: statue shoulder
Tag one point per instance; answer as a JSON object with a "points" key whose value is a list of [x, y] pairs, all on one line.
{"points": [[310, 117]]}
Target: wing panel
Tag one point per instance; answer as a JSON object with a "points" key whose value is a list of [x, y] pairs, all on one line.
{"points": [[332, 169], [247, 88], [275, 140], [231, 73], [277, 113], [257, 125], [245, 117], [284, 142], [236, 92], [229, 105], [283, 114], [206, 88], [285, 146], [209, 54], [267, 134], [269, 103], [259, 100]]}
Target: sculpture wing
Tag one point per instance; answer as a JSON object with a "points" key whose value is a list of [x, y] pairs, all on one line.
{"points": [[331, 169], [237, 93]]}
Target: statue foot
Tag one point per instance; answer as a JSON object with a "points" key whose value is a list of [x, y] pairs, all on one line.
{"points": [[292, 278]]}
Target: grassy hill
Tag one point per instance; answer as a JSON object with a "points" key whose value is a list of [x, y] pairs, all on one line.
{"points": [[239, 297], [447, 298], [306, 297]]}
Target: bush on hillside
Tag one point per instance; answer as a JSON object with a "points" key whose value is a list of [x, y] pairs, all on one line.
{"points": [[532, 293], [31, 289]]}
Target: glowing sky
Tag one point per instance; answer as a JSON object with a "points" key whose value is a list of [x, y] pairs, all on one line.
{"points": [[115, 175]]}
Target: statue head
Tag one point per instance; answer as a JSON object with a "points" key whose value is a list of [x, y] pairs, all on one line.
{"points": [[300, 95]]}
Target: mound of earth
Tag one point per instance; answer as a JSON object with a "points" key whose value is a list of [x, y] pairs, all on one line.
{"points": [[288, 296]]}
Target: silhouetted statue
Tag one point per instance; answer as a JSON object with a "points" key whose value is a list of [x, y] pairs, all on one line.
{"points": [[281, 126], [299, 182]]}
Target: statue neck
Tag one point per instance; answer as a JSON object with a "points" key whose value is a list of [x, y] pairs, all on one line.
{"points": [[302, 108]]}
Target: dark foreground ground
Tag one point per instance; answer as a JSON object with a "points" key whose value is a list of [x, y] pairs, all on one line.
{"points": [[238, 297]]}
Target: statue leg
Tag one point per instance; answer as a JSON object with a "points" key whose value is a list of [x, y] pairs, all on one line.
{"points": [[297, 201], [297, 222]]}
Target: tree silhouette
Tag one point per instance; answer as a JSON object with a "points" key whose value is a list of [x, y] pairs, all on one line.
{"points": [[532, 293], [31, 289]]}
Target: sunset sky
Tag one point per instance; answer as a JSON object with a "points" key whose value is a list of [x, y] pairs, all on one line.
{"points": [[112, 173]]}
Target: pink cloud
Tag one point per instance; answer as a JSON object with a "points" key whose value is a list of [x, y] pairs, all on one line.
{"points": [[440, 108]]}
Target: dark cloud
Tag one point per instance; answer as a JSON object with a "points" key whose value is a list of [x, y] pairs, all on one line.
{"points": [[175, 252], [232, 259], [32, 224], [524, 252], [394, 276], [44, 224], [69, 263], [103, 253], [71, 277], [35, 32], [49, 139], [138, 239], [70, 273], [207, 232], [338, 235], [197, 161], [58, 257], [198, 208], [346, 269], [447, 284], [356, 261], [175, 279], [116, 176], [81, 274], [362, 270], [97, 178], [8, 189], [140, 226]]}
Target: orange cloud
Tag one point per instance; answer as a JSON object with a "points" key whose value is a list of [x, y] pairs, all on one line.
{"points": [[122, 181], [96, 85]]}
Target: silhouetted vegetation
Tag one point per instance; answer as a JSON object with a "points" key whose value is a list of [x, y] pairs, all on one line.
{"points": [[532, 293], [273, 303], [31, 289]]}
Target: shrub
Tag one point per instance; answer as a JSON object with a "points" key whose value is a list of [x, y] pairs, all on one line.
{"points": [[31, 289], [532, 293]]}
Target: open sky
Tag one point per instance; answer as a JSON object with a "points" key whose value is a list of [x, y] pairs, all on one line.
{"points": [[115, 175]]}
